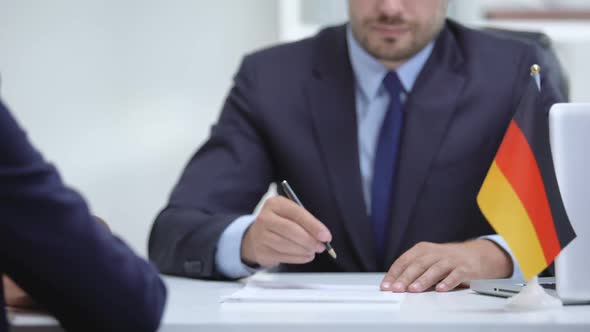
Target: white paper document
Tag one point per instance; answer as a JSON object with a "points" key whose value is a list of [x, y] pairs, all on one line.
{"points": [[274, 291]]}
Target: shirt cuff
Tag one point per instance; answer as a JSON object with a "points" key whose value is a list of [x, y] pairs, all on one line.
{"points": [[228, 258], [499, 240]]}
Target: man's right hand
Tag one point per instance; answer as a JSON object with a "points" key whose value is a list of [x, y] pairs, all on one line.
{"points": [[283, 232]]}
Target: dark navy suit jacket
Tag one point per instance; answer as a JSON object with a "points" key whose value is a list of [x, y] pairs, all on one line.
{"points": [[290, 115], [51, 246]]}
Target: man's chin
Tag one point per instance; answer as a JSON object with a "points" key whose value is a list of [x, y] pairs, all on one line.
{"points": [[391, 46], [390, 54], [399, 51]]}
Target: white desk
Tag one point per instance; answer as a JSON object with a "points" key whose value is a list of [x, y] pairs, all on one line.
{"points": [[193, 305]]}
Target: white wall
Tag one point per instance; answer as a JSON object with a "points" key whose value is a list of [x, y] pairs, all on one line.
{"points": [[120, 93], [473, 11]]}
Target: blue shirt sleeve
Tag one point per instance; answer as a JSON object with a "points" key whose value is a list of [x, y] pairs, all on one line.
{"points": [[499, 240], [228, 258]]}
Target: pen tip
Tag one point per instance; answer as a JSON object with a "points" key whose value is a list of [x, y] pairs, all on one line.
{"points": [[332, 253]]}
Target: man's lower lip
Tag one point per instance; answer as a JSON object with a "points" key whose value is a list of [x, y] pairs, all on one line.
{"points": [[389, 31]]}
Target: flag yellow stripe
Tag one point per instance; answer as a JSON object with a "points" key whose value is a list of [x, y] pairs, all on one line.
{"points": [[505, 212]]}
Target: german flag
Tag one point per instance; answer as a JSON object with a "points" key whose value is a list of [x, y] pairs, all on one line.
{"points": [[520, 197]]}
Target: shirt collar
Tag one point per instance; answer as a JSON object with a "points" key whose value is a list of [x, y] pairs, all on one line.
{"points": [[369, 72]]}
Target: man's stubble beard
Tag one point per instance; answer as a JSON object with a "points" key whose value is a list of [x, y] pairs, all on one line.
{"points": [[386, 50]]}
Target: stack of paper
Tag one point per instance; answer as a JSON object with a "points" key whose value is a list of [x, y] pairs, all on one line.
{"points": [[274, 291]]}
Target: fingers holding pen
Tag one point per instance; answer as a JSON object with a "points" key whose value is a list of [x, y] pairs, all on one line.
{"points": [[283, 232], [300, 216]]}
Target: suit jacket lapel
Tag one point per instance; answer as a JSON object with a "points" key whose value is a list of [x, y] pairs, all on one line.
{"points": [[332, 102], [429, 109]]}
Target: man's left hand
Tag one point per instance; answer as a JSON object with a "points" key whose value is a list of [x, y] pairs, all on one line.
{"points": [[446, 266], [14, 296]]}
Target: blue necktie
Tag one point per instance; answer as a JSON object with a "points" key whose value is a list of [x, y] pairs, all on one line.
{"points": [[386, 155]]}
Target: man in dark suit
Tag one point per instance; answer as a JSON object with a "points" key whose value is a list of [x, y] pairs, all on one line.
{"points": [[384, 127], [53, 248]]}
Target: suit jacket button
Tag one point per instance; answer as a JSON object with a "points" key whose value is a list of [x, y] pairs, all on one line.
{"points": [[193, 268]]}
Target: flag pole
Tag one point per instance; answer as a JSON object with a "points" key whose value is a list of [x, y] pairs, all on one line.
{"points": [[536, 74], [533, 296]]}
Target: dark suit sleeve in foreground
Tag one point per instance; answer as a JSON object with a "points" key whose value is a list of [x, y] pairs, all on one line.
{"points": [[51, 246], [224, 180]]}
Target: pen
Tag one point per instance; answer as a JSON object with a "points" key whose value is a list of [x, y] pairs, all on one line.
{"points": [[291, 195]]}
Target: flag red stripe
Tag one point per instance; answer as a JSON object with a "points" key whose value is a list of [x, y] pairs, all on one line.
{"points": [[518, 163]]}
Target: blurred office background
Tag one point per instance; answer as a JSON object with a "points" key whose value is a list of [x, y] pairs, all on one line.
{"points": [[120, 93]]}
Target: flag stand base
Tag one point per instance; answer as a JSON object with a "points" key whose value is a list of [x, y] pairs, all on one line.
{"points": [[532, 297]]}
